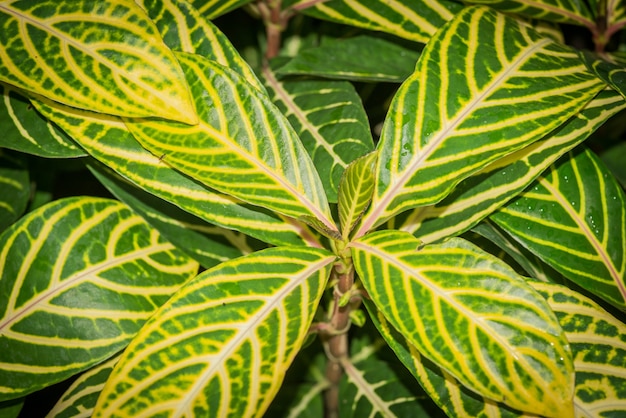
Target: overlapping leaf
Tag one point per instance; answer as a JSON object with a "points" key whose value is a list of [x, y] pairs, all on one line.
{"points": [[611, 72], [23, 129], [104, 56], [416, 20], [574, 219], [108, 140], [221, 345], [360, 58], [473, 316], [562, 11], [355, 191], [243, 146], [78, 279], [330, 121], [15, 190], [479, 195], [214, 8], [484, 87], [12, 408]]}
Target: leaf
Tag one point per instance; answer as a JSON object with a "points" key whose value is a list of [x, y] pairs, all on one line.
{"points": [[214, 8], [598, 342], [329, 118], [614, 158], [79, 277], [183, 28], [473, 316], [107, 139], [79, 400], [12, 408], [482, 193], [574, 219], [206, 243], [224, 342], [561, 11], [612, 73], [105, 56], [416, 20], [507, 94], [355, 191], [360, 58], [243, 146], [26, 131], [15, 187]]}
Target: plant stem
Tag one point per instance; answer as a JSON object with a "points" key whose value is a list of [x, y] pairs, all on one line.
{"points": [[275, 23]]}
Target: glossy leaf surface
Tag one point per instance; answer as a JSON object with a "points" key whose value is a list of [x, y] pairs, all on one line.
{"points": [[562, 11], [222, 345], [15, 190], [481, 194], [79, 277], [574, 219], [242, 146], [214, 8], [355, 191], [472, 315], [505, 97], [51, 48]]}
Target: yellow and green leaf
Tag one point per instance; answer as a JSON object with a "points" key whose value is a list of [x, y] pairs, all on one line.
{"points": [[79, 277], [473, 316], [355, 191], [16, 189], [484, 87], [223, 343], [562, 11], [215, 8], [105, 56]]}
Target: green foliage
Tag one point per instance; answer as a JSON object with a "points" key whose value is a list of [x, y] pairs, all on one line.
{"points": [[244, 217]]}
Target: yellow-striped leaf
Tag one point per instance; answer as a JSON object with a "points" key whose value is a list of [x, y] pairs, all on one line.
{"points": [[107, 139], [562, 11], [484, 87], [79, 277], [481, 194], [104, 56], [12, 408], [222, 344], [574, 219], [243, 146], [214, 8], [15, 190], [355, 191], [612, 72], [473, 316], [24, 130], [416, 20]]}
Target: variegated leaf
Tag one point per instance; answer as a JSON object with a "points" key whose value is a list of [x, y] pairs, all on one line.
{"points": [[222, 344], [24, 130], [214, 8], [79, 400], [14, 190], [107, 139], [562, 11], [574, 219], [360, 58], [481, 194], [473, 316], [329, 119], [184, 28], [355, 191], [484, 87], [104, 56], [416, 20], [611, 72], [243, 146], [598, 342], [12, 408], [206, 243], [615, 16], [79, 277]]}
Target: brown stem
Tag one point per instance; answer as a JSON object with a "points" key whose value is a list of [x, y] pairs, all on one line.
{"points": [[275, 23]]}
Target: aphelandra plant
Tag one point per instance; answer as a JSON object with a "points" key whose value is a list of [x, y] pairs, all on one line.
{"points": [[264, 255]]}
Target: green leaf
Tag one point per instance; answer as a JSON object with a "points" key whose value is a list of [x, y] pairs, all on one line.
{"points": [[361, 58], [15, 190], [507, 94], [612, 73], [574, 219], [562, 11], [223, 343], [214, 8], [183, 28], [206, 243], [614, 158], [79, 277], [107, 139], [79, 400], [243, 146], [482, 193], [12, 408], [355, 191], [329, 119], [598, 342], [473, 316], [104, 56], [416, 20]]}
